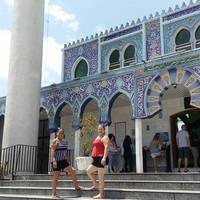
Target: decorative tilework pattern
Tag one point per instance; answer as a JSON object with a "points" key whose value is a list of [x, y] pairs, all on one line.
{"points": [[181, 13], [120, 44], [89, 51], [79, 93], [141, 85], [158, 86], [171, 28], [196, 68], [121, 33], [104, 87], [104, 107], [128, 83], [153, 41]]}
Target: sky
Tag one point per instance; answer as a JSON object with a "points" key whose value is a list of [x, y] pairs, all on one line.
{"points": [[70, 20]]}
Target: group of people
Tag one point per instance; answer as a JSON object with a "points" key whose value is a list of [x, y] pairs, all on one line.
{"points": [[59, 162], [121, 158], [184, 149], [106, 147]]}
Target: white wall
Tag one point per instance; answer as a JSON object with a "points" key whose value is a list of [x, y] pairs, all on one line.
{"points": [[66, 124], [156, 124], [121, 114]]}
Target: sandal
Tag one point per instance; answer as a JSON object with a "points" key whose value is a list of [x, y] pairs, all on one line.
{"points": [[98, 197], [79, 188], [56, 197], [93, 188]]}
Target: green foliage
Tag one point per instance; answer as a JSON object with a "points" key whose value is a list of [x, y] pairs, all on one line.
{"points": [[89, 129]]}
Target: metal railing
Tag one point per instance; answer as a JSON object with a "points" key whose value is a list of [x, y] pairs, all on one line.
{"points": [[18, 158], [22, 159]]}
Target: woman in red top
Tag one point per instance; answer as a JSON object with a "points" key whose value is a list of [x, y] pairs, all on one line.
{"points": [[99, 155]]}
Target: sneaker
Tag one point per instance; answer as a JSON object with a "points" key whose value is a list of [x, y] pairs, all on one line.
{"points": [[179, 170], [186, 170]]}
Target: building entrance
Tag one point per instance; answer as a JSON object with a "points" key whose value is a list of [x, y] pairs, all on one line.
{"points": [[191, 118], [43, 144]]}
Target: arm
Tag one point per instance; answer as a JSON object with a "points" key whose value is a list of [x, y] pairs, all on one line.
{"points": [[53, 150], [105, 141]]}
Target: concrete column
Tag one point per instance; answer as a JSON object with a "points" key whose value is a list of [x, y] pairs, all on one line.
{"points": [[77, 144], [138, 145], [24, 80], [107, 130]]}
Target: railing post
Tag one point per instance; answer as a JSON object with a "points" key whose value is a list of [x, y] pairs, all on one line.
{"points": [[13, 163]]}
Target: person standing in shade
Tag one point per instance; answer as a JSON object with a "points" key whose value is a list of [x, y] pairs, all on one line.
{"points": [[183, 143], [112, 154], [155, 150], [59, 162], [127, 153], [99, 156]]}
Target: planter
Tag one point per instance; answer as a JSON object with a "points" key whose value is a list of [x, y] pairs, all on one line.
{"points": [[83, 163]]}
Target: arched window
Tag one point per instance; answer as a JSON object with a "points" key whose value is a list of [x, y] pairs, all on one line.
{"points": [[114, 60], [197, 37], [129, 55], [81, 69], [182, 40]]}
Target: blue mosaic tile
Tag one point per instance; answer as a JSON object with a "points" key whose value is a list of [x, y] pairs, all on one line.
{"points": [[182, 13]]}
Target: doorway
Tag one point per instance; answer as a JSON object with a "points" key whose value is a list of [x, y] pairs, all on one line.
{"points": [[191, 118], [43, 143]]}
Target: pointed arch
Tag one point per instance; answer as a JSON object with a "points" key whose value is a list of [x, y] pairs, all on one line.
{"points": [[85, 103], [84, 65], [114, 59], [57, 113], [182, 39], [112, 100]]}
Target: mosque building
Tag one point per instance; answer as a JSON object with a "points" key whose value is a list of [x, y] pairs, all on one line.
{"points": [[138, 79]]}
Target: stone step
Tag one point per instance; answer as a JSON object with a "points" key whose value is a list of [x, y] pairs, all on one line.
{"points": [[128, 184], [114, 193], [123, 176]]}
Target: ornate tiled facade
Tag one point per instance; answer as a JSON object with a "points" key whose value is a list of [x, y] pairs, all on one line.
{"points": [[106, 48], [170, 29], [88, 51], [142, 82], [153, 41]]}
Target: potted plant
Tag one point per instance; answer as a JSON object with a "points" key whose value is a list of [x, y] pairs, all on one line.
{"points": [[88, 131]]}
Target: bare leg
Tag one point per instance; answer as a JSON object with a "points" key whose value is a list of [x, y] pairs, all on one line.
{"points": [[155, 164], [101, 184], [54, 183], [90, 172], [186, 164], [72, 172]]}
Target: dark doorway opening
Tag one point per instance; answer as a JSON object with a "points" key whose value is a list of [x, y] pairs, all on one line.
{"points": [[191, 118], [43, 144]]}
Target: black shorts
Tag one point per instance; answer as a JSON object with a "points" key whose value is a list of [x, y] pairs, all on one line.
{"points": [[61, 164], [183, 152], [97, 162]]}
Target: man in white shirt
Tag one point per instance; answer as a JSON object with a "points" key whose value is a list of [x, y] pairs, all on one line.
{"points": [[183, 143]]}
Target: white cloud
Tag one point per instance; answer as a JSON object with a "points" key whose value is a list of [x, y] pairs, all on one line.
{"points": [[63, 16], [10, 2], [52, 60]]}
